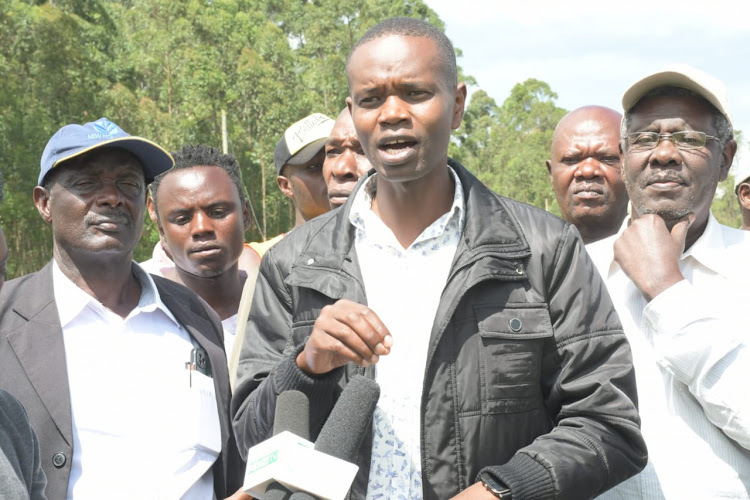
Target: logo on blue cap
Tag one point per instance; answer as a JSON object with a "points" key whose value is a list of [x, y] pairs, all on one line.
{"points": [[105, 129]]}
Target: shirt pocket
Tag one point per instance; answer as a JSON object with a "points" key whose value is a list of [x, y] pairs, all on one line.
{"points": [[510, 356]]}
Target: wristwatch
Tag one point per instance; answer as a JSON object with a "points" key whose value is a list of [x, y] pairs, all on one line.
{"points": [[502, 491]]}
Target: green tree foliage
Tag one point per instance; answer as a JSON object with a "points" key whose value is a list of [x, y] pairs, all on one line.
{"points": [[506, 146], [166, 70]]}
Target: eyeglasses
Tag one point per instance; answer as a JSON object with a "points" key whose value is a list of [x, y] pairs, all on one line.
{"points": [[685, 139]]}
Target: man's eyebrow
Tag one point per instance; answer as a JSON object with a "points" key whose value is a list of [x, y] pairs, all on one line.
{"points": [[608, 149], [179, 211]]}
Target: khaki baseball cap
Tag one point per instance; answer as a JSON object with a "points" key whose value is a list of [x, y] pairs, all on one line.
{"points": [[302, 141], [682, 76]]}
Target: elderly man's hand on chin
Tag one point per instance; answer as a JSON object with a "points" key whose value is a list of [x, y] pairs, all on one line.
{"points": [[649, 253]]}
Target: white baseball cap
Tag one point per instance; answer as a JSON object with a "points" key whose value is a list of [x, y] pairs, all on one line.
{"points": [[682, 76]]}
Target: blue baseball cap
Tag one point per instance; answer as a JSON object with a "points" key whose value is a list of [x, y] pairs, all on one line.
{"points": [[74, 140]]}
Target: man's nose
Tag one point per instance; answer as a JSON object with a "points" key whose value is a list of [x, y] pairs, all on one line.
{"points": [[108, 194], [589, 168], [393, 111], [665, 153], [345, 166], [201, 224]]}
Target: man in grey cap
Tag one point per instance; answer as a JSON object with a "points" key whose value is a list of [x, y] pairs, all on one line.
{"points": [[299, 164], [299, 158], [680, 282], [123, 375]]}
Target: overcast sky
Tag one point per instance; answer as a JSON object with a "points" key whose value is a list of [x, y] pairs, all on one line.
{"points": [[590, 51]]}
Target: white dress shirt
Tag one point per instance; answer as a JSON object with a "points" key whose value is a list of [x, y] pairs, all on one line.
{"points": [[403, 287], [142, 428], [161, 265], [229, 326], [691, 353]]}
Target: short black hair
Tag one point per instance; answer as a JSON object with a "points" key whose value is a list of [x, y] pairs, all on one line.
{"points": [[202, 156], [723, 127], [407, 26]]}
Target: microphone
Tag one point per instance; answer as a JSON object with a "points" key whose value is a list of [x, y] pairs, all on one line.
{"points": [[292, 415], [348, 423], [350, 419], [288, 463]]}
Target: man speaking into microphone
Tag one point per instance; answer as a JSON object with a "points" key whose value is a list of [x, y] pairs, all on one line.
{"points": [[503, 368]]}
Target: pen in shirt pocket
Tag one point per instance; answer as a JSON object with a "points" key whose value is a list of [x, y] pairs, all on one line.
{"points": [[199, 362]]}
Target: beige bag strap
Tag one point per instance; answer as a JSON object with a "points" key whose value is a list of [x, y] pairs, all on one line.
{"points": [[242, 316]]}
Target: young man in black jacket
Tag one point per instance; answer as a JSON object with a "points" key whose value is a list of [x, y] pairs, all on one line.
{"points": [[503, 367]]}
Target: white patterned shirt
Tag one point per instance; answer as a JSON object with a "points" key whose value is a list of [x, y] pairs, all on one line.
{"points": [[691, 353], [403, 287]]}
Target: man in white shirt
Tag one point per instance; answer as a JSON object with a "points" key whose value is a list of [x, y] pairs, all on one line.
{"points": [[123, 375], [503, 370], [680, 283], [202, 214]]}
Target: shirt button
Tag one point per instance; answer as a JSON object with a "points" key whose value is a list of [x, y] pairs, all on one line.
{"points": [[59, 459], [519, 269], [310, 262], [515, 324]]}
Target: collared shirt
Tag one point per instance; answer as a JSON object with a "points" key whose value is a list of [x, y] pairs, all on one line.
{"points": [[139, 430], [159, 263], [691, 353], [229, 326], [403, 287]]}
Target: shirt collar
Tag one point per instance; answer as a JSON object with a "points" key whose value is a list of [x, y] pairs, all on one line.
{"points": [[361, 212], [72, 300], [708, 248]]}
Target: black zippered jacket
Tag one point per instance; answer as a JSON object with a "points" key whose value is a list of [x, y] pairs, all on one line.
{"points": [[529, 377]]}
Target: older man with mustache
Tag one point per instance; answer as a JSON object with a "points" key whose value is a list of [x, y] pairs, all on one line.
{"points": [[123, 375], [680, 284]]}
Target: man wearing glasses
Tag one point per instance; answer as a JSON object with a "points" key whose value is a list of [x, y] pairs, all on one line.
{"points": [[680, 282]]}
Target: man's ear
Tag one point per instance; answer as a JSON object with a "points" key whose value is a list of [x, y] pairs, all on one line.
{"points": [[727, 156], [285, 186], [151, 209], [743, 193], [458, 105], [549, 167], [41, 200]]}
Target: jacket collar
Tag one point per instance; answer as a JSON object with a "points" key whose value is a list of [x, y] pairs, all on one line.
{"points": [[38, 344], [489, 230]]}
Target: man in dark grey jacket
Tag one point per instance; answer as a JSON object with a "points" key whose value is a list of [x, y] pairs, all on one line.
{"points": [[503, 367], [123, 375]]}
